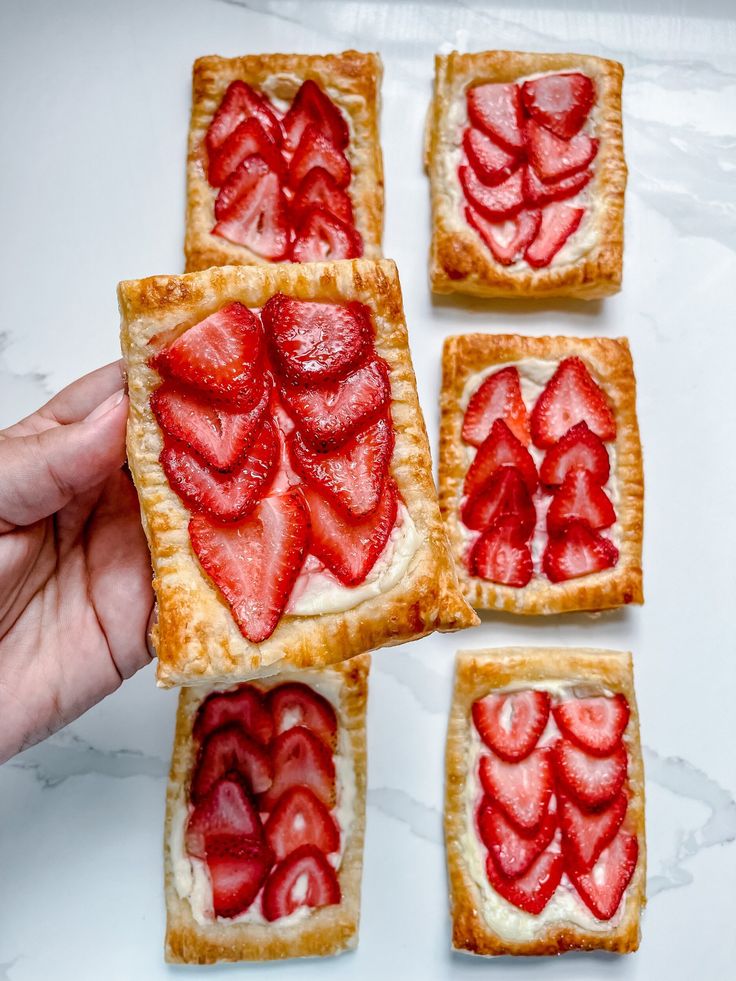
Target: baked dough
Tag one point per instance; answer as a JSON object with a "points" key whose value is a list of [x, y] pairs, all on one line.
{"points": [[609, 362], [351, 79], [459, 260], [476, 674], [196, 638], [329, 930]]}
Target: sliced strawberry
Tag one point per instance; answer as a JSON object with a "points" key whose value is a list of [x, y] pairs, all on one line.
{"points": [[352, 477], [502, 555], [321, 237], [300, 759], [512, 851], [311, 105], [579, 551], [571, 396], [226, 809], [218, 356], [511, 724], [226, 750], [534, 889], [497, 397], [314, 342], [554, 159], [317, 150], [238, 867], [259, 220], [326, 415], [592, 780], [239, 103], [294, 704], [320, 188], [255, 562], [500, 448], [596, 724], [300, 818], [304, 878], [602, 888], [581, 498], [579, 447], [225, 496], [558, 223], [240, 181], [537, 193], [496, 109], [561, 103], [490, 161], [586, 833], [522, 790], [248, 139], [350, 549], [504, 496], [507, 240], [494, 203], [243, 705]]}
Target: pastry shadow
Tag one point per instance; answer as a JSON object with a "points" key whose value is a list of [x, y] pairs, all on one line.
{"points": [[452, 303], [580, 964], [585, 619]]}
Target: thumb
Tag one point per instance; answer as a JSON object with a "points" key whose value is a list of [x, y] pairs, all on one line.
{"points": [[42, 472]]}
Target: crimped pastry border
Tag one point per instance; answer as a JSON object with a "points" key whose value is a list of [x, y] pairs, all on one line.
{"points": [[196, 637], [352, 79], [459, 260], [476, 674], [330, 930], [609, 361]]}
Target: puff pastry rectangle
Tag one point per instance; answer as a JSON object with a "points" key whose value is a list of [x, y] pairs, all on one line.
{"points": [[196, 638], [482, 921], [324, 931], [467, 359], [351, 79], [459, 260]]}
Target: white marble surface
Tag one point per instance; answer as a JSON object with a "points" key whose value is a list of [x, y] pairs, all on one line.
{"points": [[93, 112]]}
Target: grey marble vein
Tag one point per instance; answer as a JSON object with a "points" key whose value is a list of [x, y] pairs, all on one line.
{"points": [[26, 389], [6, 967], [422, 820], [429, 688]]}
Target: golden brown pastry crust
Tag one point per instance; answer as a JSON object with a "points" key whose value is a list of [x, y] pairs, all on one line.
{"points": [[330, 930], [196, 637], [609, 362], [476, 674], [353, 82], [459, 260]]}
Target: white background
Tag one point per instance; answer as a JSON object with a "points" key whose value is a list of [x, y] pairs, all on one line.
{"points": [[94, 109]]}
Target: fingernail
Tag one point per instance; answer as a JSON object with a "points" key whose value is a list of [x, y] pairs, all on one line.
{"points": [[110, 402]]}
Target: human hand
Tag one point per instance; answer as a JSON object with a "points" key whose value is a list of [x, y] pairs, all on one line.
{"points": [[75, 576]]}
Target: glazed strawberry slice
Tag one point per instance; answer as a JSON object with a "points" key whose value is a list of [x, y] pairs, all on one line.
{"points": [[494, 203], [247, 139], [502, 555], [554, 159], [225, 496], [227, 750], [315, 342], [499, 449], [220, 434], [522, 790], [506, 240], [243, 705], [593, 781], [602, 888], [496, 109], [219, 356], [326, 415], [511, 724], [538, 193], [317, 150], [579, 551], [560, 103], [238, 867], [240, 181], [321, 237], [239, 103], [571, 396], [255, 562], [349, 548], [586, 833], [532, 890], [300, 818], [558, 223], [304, 878], [312, 106], [512, 851], [226, 809], [505, 496], [294, 704], [581, 498], [579, 447], [319, 188], [259, 220], [300, 759], [497, 397], [490, 161], [596, 724], [353, 477]]}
